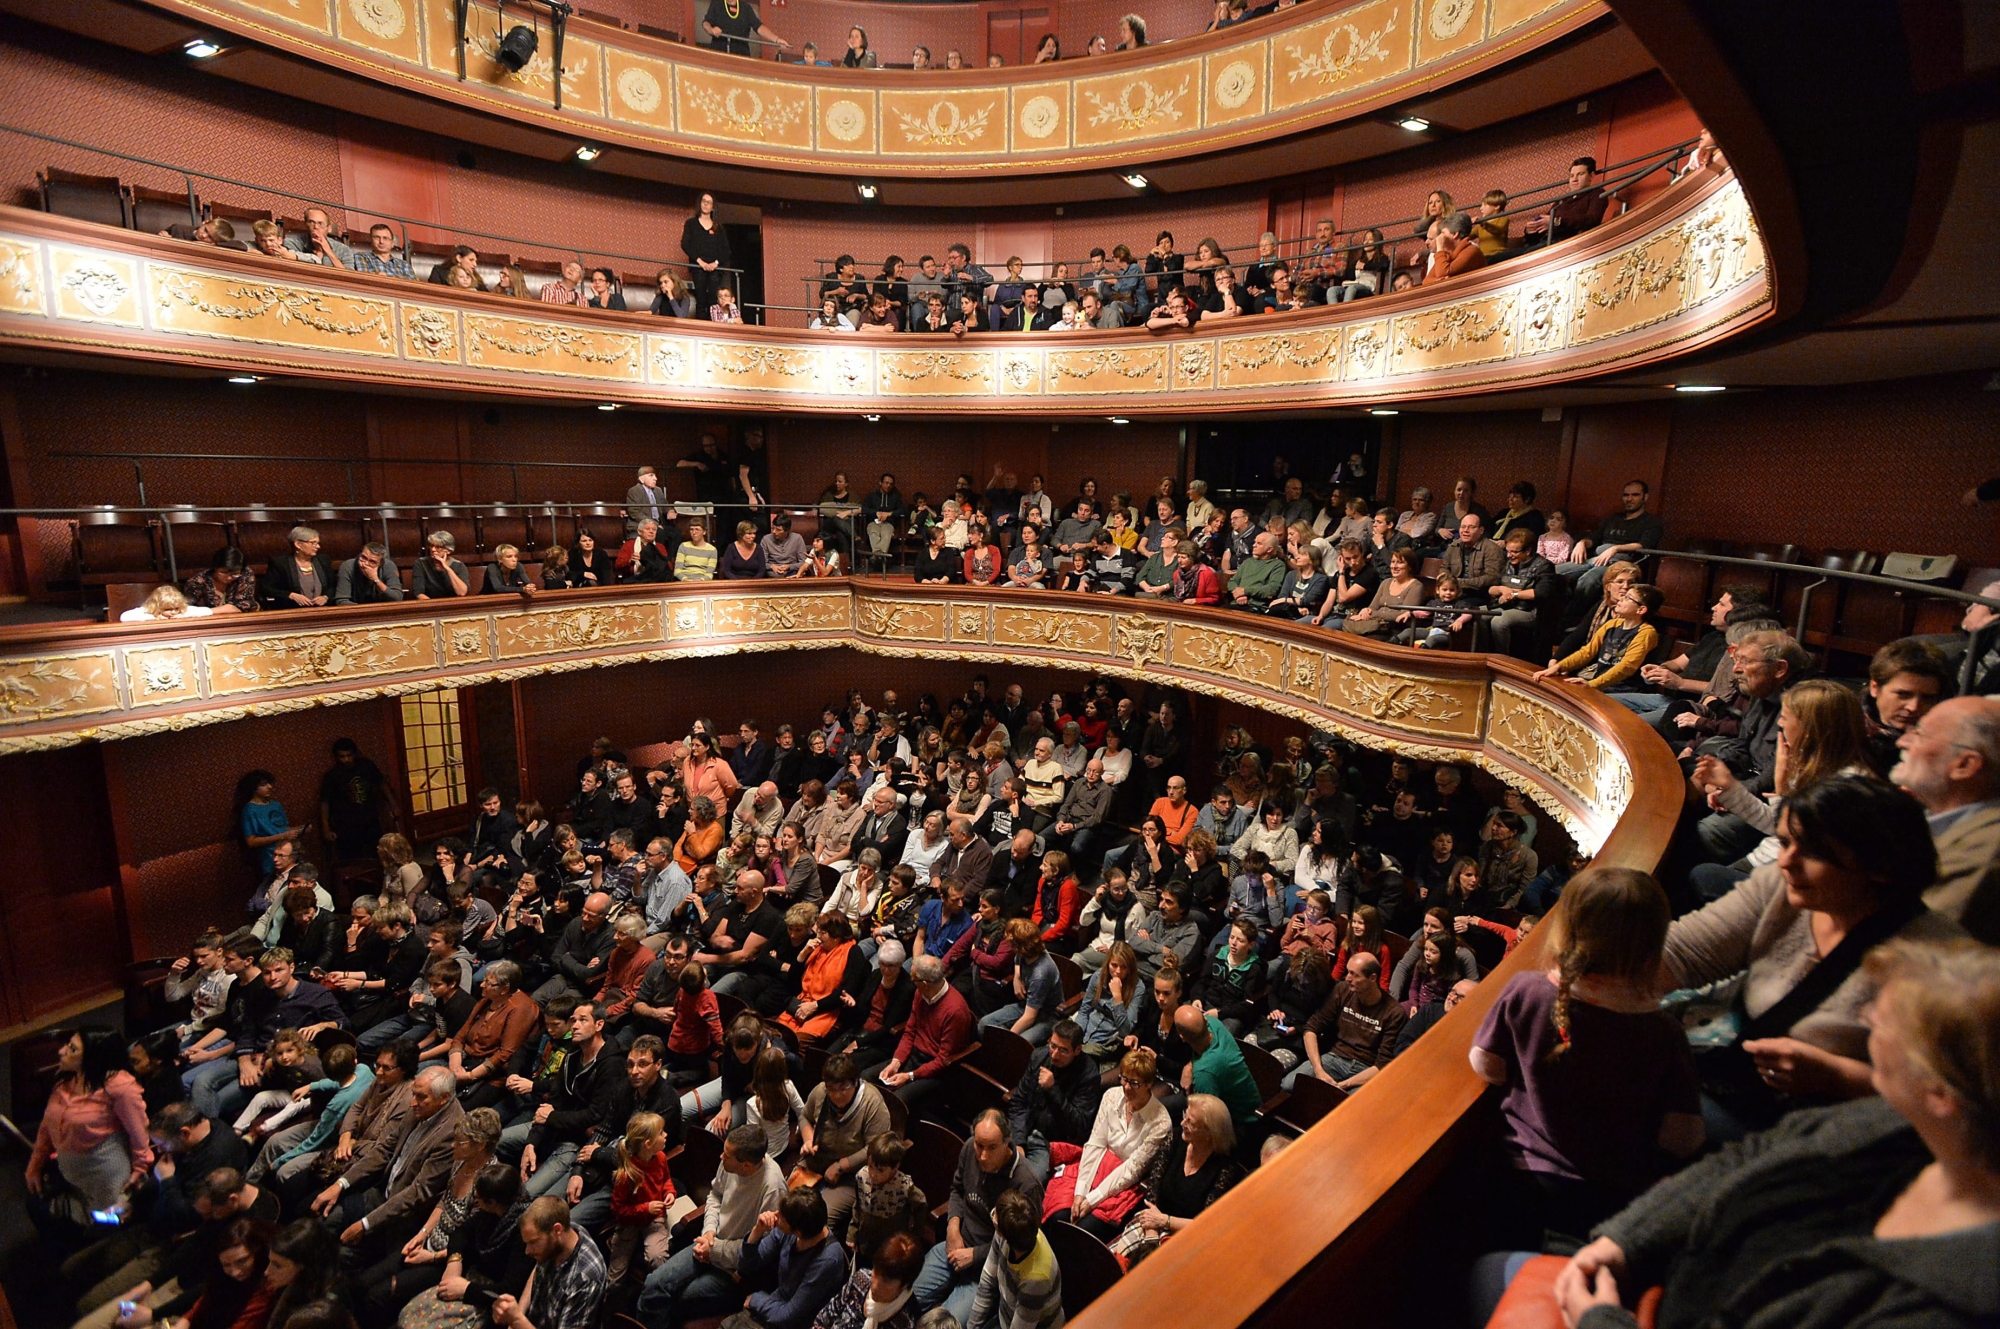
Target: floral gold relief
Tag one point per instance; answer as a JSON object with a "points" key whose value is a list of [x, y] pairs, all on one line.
{"points": [[934, 373], [57, 687], [96, 288], [157, 676], [1467, 333], [1040, 117], [779, 614], [1237, 88], [212, 305], [1233, 655], [466, 640], [1448, 708], [743, 110], [310, 659], [552, 348], [895, 620], [968, 623], [387, 27], [639, 89], [747, 365], [1547, 741], [314, 14], [1298, 357], [1353, 49], [1139, 368], [1153, 103], [20, 277], [1055, 630], [937, 123], [1446, 27]]}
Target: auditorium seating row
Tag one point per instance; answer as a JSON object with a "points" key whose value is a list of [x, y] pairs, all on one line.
{"points": [[104, 199]]}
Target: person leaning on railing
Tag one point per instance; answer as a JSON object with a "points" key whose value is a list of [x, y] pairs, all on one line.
{"points": [[227, 587]]}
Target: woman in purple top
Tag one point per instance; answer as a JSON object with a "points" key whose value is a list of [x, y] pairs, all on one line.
{"points": [[743, 559], [1600, 1084]]}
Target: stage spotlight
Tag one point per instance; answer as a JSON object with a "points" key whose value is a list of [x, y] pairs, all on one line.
{"points": [[517, 48]]}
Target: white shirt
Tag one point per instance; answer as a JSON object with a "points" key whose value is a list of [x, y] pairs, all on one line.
{"points": [[923, 857], [1117, 765], [140, 615], [1132, 1136]]}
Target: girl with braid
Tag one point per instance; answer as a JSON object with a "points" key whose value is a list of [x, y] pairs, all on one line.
{"points": [[1601, 1093]]}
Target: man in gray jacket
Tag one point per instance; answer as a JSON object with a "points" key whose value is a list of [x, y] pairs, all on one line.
{"points": [[1082, 811]]}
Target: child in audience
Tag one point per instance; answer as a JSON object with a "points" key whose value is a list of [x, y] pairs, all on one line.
{"points": [[1601, 1086], [1432, 625], [642, 1197], [697, 1033], [775, 1106], [1364, 934], [886, 1199], [1556, 542], [288, 1064]]}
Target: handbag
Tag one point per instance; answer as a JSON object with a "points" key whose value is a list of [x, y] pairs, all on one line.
{"points": [[1729, 1074]]}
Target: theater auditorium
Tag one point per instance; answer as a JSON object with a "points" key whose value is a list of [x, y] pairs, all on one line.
{"points": [[987, 664]]}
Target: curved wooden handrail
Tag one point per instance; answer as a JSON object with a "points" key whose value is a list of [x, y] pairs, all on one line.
{"points": [[1678, 273], [1320, 64]]}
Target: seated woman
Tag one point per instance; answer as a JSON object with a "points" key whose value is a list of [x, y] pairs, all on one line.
{"points": [[1854, 859], [1131, 1130], [1113, 1006], [1393, 600], [1190, 1174], [590, 565], [833, 977], [164, 603], [743, 560], [1822, 732], [505, 575], [1884, 1211]]}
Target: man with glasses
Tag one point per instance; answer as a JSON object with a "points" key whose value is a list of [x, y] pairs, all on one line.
{"points": [[318, 242], [1617, 537], [1951, 764], [381, 257]]}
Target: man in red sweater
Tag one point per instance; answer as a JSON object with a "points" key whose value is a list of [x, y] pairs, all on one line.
{"points": [[939, 1031]]}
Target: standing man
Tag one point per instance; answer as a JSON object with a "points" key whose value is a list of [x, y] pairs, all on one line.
{"points": [[352, 796], [647, 500]]}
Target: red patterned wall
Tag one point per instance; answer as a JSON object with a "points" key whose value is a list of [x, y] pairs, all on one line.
{"points": [[59, 884], [1495, 448]]}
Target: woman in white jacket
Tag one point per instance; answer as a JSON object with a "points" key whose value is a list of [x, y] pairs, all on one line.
{"points": [[1132, 1125]]}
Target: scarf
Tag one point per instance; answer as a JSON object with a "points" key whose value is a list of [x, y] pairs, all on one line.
{"points": [[879, 1313]]}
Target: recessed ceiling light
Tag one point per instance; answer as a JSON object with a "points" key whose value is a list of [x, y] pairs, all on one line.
{"points": [[242, 378], [1137, 181], [1700, 387], [588, 152], [867, 190], [872, 419], [1120, 420], [607, 406], [201, 48], [1416, 124], [1384, 410]]}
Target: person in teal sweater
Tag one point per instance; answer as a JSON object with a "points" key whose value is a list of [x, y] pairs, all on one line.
{"points": [[289, 1150], [1256, 583]]}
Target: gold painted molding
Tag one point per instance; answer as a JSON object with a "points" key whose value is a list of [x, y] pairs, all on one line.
{"points": [[1683, 271], [1321, 63], [1571, 752]]}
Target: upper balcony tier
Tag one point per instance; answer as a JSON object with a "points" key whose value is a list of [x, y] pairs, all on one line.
{"points": [[1680, 272], [1325, 66]]}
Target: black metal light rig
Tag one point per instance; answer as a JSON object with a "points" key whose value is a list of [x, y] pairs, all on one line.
{"points": [[517, 44]]}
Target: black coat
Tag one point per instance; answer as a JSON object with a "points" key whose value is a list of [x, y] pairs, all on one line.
{"points": [[599, 562], [281, 581]]}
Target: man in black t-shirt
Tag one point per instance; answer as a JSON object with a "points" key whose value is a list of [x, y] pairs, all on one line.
{"points": [[351, 797], [1617, 537], [733, 22], [736, 944]]}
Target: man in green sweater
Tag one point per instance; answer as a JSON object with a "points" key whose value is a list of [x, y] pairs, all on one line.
{"points": [[1256, 583]]}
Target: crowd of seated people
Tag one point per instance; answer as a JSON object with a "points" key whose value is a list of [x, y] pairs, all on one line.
{"points": [[1163, 290], [930, 870], [739, 30], [476, 1092]]}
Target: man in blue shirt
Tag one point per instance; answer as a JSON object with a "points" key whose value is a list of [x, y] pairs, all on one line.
{"points": [[942, 921]]}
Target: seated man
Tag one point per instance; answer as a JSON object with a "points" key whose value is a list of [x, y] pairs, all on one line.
{"points": [[1452, 252], [784, 550], [1580, 210], [1258, 579], [702, 1279], [1113, 569], [369, 578], [794, 1261], [990, 1164], [645, 557], [939, 1031], [1527, 590]]}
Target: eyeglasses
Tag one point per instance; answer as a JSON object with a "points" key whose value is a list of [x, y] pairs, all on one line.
{"points": [[1131, 1083]]}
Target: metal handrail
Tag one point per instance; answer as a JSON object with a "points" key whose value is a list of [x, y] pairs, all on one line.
{"points": [[1929, 590], [190, 176], [1644, 165]]}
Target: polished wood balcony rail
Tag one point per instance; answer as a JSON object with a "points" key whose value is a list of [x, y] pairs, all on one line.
{"points": [[1322, 63], [1680, 272]]}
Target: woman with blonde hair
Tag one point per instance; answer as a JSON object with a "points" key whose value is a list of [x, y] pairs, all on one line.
{"points": [[401, 873], [1822, 732], [1131, 1129], [164, 603], [1619, 577], [674, 298]]}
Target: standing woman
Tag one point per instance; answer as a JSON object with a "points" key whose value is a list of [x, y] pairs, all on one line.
{"points": [[707, 247], [858, 55], [94, 1129], [260, 818]]}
